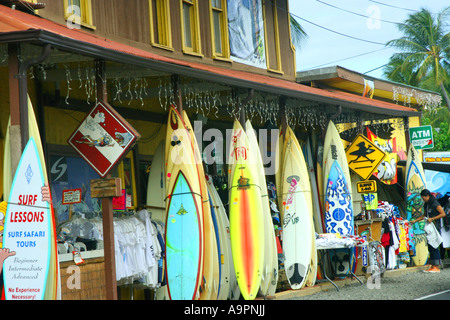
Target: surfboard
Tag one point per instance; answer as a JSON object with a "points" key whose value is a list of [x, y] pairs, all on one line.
{"points": [[54, 286], [270, 271], [279, 152], [338, 206], [218, 251], [54, 283], [27, 231], [156, 189], [229, 288], [246, 219], [211, 275], [184, 228], [7, 174], [415, 183], [156, 194], [337, 185], [297, 229], [318, 223]]}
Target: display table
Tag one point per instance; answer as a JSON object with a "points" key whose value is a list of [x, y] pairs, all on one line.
{"points": [[326, 248]]}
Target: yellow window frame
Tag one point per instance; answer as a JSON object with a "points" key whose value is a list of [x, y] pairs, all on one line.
{"points": [[276, 37], [128, 184], [164, 29], [85, 13], [195, 48], [223, 24]]}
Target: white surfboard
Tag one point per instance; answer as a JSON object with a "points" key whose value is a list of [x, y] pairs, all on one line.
{"points": [[297, 221], [27, 231], [156, 187]]}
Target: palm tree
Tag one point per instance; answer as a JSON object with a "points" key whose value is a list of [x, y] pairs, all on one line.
{"points": [[425, 51], [297, 32]]}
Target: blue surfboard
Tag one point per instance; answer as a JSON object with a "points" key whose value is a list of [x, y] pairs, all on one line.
{"points": [[183, 242]]}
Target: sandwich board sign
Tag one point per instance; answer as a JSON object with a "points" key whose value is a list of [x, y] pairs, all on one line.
{"points": [[103, 138], [421, 137]]}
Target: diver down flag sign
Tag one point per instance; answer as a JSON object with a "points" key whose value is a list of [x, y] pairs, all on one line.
{"points": [[103, 138], [364, 157]]}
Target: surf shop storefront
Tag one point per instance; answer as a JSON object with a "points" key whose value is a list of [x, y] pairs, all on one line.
{"points": [[66, 72]]}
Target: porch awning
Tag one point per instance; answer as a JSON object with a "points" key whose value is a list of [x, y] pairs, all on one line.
{"points": [[16, 26]]}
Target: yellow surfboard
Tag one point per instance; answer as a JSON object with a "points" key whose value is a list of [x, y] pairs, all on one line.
{"points": [[53, 286], [270, 272], [246, 219], [184, 214], [210, 288]]}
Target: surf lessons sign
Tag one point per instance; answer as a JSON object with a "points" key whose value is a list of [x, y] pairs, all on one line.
{"points": [[421, 137], [27, 231], [103, 138]]}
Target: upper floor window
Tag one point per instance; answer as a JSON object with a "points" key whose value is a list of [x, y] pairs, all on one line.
{"points": [[78, 12], [219, 29], [160, 30], [190, 27]]}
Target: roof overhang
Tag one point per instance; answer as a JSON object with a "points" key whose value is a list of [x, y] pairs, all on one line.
{"points": [[27, 28], [337, 77]]}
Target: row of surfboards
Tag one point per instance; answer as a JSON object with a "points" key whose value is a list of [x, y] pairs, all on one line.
{"points": [[203, 262], [208, 255]]}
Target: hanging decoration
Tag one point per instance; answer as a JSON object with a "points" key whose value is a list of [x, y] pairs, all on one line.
{"points": [[425, 100]]}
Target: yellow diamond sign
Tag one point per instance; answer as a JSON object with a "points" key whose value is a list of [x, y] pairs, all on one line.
{"points": [[364, 157]]}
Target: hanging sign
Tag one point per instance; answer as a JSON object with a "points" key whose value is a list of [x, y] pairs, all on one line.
{"points": [[387, 170], [366, 186], [103, 138], [421, 137], [71, 196], [364, 157]]}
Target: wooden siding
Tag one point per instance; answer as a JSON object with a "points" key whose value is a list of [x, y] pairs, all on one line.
{"points": [[128, 22]]}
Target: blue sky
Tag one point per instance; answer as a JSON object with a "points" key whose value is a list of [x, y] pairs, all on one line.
{"points": [[324, 48]]}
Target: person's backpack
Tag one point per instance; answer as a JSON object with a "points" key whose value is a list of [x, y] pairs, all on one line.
{"points": [[445, 203]]}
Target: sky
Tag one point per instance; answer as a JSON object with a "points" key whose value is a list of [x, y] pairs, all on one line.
{"points": [[325, 48]]}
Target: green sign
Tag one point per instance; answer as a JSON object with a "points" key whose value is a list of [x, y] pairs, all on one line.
{"points": [[421, 137]]}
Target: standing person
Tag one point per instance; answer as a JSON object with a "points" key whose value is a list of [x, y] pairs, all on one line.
{"points": [[433, 211]]}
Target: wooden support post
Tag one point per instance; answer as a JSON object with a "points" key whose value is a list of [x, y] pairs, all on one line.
{"points": [[107, 205]]}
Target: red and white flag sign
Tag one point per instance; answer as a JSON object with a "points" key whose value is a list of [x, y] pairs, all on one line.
{"points": [[103, 138]]}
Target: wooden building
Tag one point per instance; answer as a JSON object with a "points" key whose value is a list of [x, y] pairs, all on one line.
{"points": [[218, 60]]}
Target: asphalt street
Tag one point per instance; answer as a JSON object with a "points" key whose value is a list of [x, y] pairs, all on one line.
{"points": [[392, 286]]}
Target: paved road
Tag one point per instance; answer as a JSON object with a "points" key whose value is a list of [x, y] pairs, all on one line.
{"points": [[408, 286], [444, 295]]}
